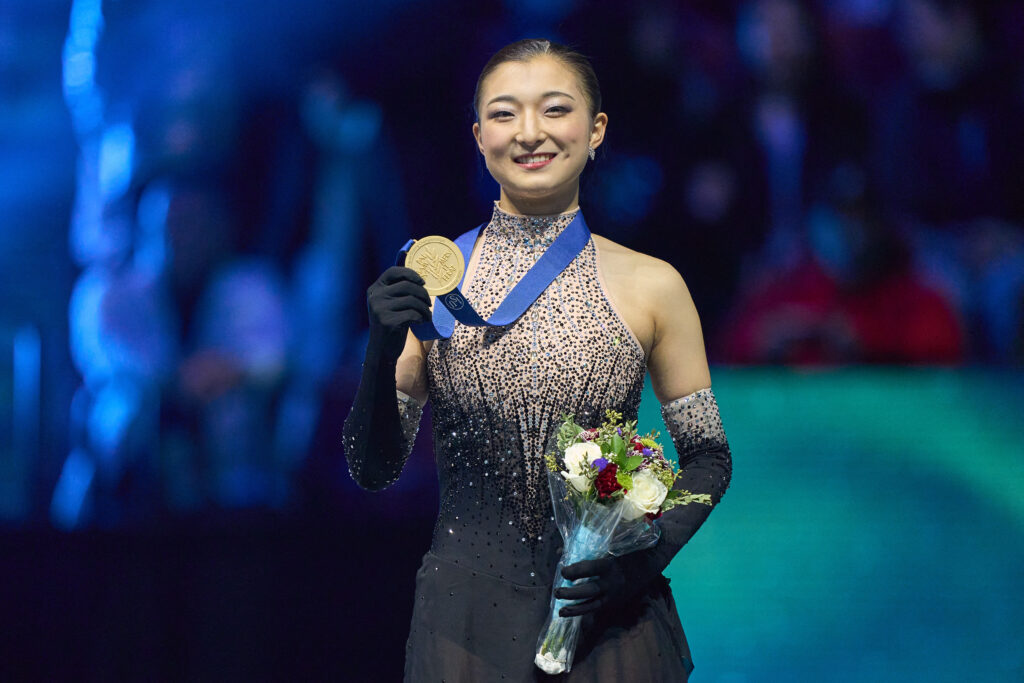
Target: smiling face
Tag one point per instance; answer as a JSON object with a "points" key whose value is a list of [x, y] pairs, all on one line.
{"points": [[534, 130]]}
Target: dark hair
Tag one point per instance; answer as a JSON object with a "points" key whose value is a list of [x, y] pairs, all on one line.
{"points": [[527, 49]]}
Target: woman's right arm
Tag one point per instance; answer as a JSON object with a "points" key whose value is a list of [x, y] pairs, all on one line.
{"points": [[380, 429]]}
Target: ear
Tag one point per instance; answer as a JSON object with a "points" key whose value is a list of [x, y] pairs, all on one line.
{"points": [[476, 134], [598, 129]]}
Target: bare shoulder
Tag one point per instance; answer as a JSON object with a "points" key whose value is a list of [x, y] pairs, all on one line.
{"points": [[645, 290], [657, 304], [656, 279]]}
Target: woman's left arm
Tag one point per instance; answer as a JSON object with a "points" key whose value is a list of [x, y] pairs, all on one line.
{"points": [[682, 383], [677, 362]]}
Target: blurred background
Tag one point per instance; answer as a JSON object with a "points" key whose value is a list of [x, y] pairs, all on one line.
{"points": [[195, 196]]}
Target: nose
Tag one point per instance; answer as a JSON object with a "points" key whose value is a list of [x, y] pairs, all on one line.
{"points": [[531, 130]]}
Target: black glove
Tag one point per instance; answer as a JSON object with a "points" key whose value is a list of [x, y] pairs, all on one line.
{"points": [[616, 582], [378, 434], [396, 300]]}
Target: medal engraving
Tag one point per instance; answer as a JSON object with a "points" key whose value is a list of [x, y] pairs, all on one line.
{"points": [[438, 261]]}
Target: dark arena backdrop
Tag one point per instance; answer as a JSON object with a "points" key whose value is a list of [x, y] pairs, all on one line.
{"points": [[194, 197]]}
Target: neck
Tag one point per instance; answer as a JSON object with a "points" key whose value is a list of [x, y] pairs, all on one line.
{"points": [[540, 206], [530, 231]]}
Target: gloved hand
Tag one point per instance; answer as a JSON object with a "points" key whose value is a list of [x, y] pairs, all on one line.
{"points": [[616, 582], [396, 300]]}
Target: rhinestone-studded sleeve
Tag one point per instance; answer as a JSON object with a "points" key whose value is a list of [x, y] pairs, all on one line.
{"points": [[695, 424], [394, 452], [409, 413], [705, 463]]}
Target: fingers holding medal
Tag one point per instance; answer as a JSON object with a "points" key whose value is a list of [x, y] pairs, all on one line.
{"points": [[438, 261]]}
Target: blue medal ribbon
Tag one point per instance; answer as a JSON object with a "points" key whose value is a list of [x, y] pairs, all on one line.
{"points": [[559, 254]]}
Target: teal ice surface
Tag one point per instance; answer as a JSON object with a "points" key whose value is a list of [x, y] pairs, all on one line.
{"points": [[873, 530]]}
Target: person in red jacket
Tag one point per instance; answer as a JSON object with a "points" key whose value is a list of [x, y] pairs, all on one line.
{"points": [[852, 297]]}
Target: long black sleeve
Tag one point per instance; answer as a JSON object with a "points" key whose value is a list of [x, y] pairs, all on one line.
{"points": [[705, 461], [381, 428]]}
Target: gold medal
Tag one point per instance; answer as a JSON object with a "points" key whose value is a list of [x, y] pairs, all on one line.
{"points": [[438, 261]]}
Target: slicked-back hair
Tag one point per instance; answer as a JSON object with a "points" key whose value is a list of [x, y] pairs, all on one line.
{"points": [[529, 48]]}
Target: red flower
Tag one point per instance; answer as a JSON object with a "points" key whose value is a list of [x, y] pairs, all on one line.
{"points": [[606, 483], [651, 516]]}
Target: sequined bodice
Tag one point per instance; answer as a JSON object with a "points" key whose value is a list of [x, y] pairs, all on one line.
{"points": [[497, 393]]}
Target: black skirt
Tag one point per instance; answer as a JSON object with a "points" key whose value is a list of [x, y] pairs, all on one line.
{"points": [[468, 626]]}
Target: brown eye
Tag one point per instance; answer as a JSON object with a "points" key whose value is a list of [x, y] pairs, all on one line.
{"points": [[501, 113]]}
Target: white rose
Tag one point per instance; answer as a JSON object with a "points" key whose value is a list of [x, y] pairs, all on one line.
{"points": [[578, 481], [548, 663], [580, 456], [647, 495]]}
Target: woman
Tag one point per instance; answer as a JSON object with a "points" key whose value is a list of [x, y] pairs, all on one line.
{"points": [[483, 590]]}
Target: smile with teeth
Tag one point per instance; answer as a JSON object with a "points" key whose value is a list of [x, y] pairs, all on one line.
{"points": [[534, 160]]}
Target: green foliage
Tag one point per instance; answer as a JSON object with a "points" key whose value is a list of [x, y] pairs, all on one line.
{"points": [[683, 497], [613, 422], [624, 479], [618, 446], [568, 433], [633, 461], [662, 471]]}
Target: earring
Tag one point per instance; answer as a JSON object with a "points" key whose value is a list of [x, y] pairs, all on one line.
{"points": [[591, 153]]}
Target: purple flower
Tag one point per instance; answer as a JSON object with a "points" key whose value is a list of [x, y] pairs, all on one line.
{"points": [[600, 464], [619, 430], [646, 451]]}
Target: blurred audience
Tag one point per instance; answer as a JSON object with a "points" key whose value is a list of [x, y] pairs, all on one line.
{"points": [[838, 182], [851, 297], [766, 133], [220, 407], [183, 350], [949, 138], [358, 220], [950, 158]]}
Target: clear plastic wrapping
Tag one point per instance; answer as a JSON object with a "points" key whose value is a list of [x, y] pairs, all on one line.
{"points": [[591, 530]]}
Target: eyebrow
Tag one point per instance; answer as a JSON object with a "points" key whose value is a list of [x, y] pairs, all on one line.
{"points": [[550, 93]]}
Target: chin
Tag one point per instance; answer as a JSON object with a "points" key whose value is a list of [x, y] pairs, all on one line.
{"points": [[533, 194], [538, 188]]}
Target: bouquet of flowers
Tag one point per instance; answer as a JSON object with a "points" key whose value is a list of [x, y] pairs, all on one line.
{"points": [[608, 486]]}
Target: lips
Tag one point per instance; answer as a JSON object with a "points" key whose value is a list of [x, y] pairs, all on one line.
{"points": [[533, 160]]}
